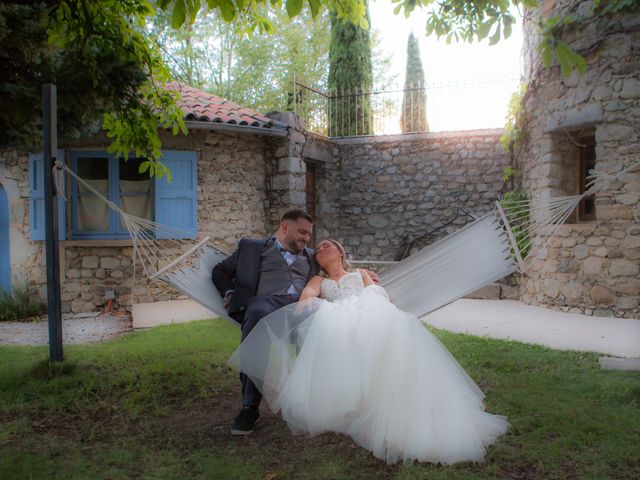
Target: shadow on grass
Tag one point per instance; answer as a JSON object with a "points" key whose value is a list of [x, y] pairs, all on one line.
{"points": [[46, 370]]}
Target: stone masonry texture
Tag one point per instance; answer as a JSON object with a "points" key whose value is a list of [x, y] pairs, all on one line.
{"points": [[592, 266]]}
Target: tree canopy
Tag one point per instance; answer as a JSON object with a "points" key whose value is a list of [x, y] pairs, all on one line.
{"points": [[105, 62], [91, 71], [253, 70], [414, 101], [350, 73]]}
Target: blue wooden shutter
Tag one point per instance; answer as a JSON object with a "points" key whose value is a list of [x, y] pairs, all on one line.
{"points": [[36, 199], [5, 253], [177, 202]]}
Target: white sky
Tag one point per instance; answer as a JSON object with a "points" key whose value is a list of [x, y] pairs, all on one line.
{"points": [[452, 108]]}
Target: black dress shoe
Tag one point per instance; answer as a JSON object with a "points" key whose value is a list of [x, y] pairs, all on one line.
{"points": [[245, 421]]}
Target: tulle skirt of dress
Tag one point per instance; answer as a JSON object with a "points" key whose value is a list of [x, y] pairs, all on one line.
{"points": [[362, 367]]}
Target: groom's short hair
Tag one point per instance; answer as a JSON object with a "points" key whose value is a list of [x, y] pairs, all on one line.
{"points": [[296, 213]]}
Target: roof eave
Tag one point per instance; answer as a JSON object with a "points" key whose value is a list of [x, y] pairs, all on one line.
{"points": [[226, 127]]}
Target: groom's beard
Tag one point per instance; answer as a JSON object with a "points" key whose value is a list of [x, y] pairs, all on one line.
{"points": [[295, 247]]}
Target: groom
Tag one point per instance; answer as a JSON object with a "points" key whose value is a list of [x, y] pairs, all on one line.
{"points": [[260, 277]]}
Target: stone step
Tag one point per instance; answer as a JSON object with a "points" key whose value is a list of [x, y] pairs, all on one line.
{"points": [[146, 315], [488, 292], [614, 363]]}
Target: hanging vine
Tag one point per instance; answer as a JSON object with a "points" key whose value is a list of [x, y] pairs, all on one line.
{"points": [[553, 28], [515, 132]]}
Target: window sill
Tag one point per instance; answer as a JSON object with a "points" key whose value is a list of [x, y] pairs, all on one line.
{"points": [[96, 243], [577, 227]]}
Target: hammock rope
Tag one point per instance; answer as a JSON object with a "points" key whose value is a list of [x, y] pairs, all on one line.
{"points": [[503, 241]]}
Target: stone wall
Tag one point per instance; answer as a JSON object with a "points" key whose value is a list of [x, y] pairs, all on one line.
{"points": [[388, 191], [231, 203], [27, 257], [592, 266], [285, 172]]}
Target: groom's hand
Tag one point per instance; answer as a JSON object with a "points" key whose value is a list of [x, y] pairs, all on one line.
{"points": [[226, 301], [374, 276]]}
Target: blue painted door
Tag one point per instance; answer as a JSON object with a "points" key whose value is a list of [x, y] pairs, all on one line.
{"points": [[5, 264]]}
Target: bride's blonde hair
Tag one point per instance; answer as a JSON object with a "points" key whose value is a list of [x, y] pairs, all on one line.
{"points": [[345, 264]]}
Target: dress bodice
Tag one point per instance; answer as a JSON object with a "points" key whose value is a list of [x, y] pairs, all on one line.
{"points": [[349, 285]]}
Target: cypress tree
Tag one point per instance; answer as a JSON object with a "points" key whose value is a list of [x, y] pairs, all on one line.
{"points": [[414, 101], [350, 75]]}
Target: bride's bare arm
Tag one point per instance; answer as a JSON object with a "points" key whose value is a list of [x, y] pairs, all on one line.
{"points": [[366, 278], [312, 289]]}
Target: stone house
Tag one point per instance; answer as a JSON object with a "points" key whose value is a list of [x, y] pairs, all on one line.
{"points": [[233, 175], [576, 124], [379, 195], [228, 182]]}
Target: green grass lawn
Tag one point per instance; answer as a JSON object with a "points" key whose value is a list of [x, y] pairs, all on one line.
{"points": [[159, 404]]}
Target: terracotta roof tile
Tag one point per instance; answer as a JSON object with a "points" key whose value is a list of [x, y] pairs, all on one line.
{"points": [[205, 107]]}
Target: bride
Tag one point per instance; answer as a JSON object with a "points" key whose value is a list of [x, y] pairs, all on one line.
{"points": [[345, 359]]}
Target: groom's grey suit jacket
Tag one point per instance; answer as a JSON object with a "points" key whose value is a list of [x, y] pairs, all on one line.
{"points": [[241, 273]]}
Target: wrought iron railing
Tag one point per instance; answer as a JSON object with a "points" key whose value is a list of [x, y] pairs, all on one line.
{"points": [[446, 106]]}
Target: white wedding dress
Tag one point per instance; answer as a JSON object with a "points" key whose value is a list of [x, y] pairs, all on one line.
{"points": [[354, 363]]}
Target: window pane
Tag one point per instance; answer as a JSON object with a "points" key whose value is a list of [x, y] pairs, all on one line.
{"points": [[135, 189], [93, 212], [131, 181], [589, 155], [137, 205], [95, 171]]}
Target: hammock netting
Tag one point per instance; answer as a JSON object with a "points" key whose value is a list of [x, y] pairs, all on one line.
{"points": [[501, 242]]}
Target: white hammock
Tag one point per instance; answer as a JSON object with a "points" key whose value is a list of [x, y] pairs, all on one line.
{"points": [[492, 247]]}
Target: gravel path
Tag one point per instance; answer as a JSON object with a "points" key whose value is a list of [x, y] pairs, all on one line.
{"points": [[75, 329]]}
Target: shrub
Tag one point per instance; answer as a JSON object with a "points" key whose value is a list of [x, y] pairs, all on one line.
{"points": [[22, 305]]}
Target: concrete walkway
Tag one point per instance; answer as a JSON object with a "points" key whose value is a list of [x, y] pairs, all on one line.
{"points": [[501, 319], [513, 320], [80, 328]]}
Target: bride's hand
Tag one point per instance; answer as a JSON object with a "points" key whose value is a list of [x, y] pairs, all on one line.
{"points": [[303, 307], [373, 276]]}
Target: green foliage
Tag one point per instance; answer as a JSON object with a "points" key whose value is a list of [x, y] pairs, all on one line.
{"points": [[256, 16], [135, 129], [350, 75], [105, 65], [254, 70], [134, 121], [552, 47], [98, 55], [515, 127], [91, 63], [614, 6], [515, 201], [22, 305], [413, 117], [459, 20], [508, 173], [463, 20]]}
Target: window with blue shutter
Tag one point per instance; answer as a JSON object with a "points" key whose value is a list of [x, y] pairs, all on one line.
{"points": [[117, 180], [36, 199], [177, 201], [120, 181]]}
